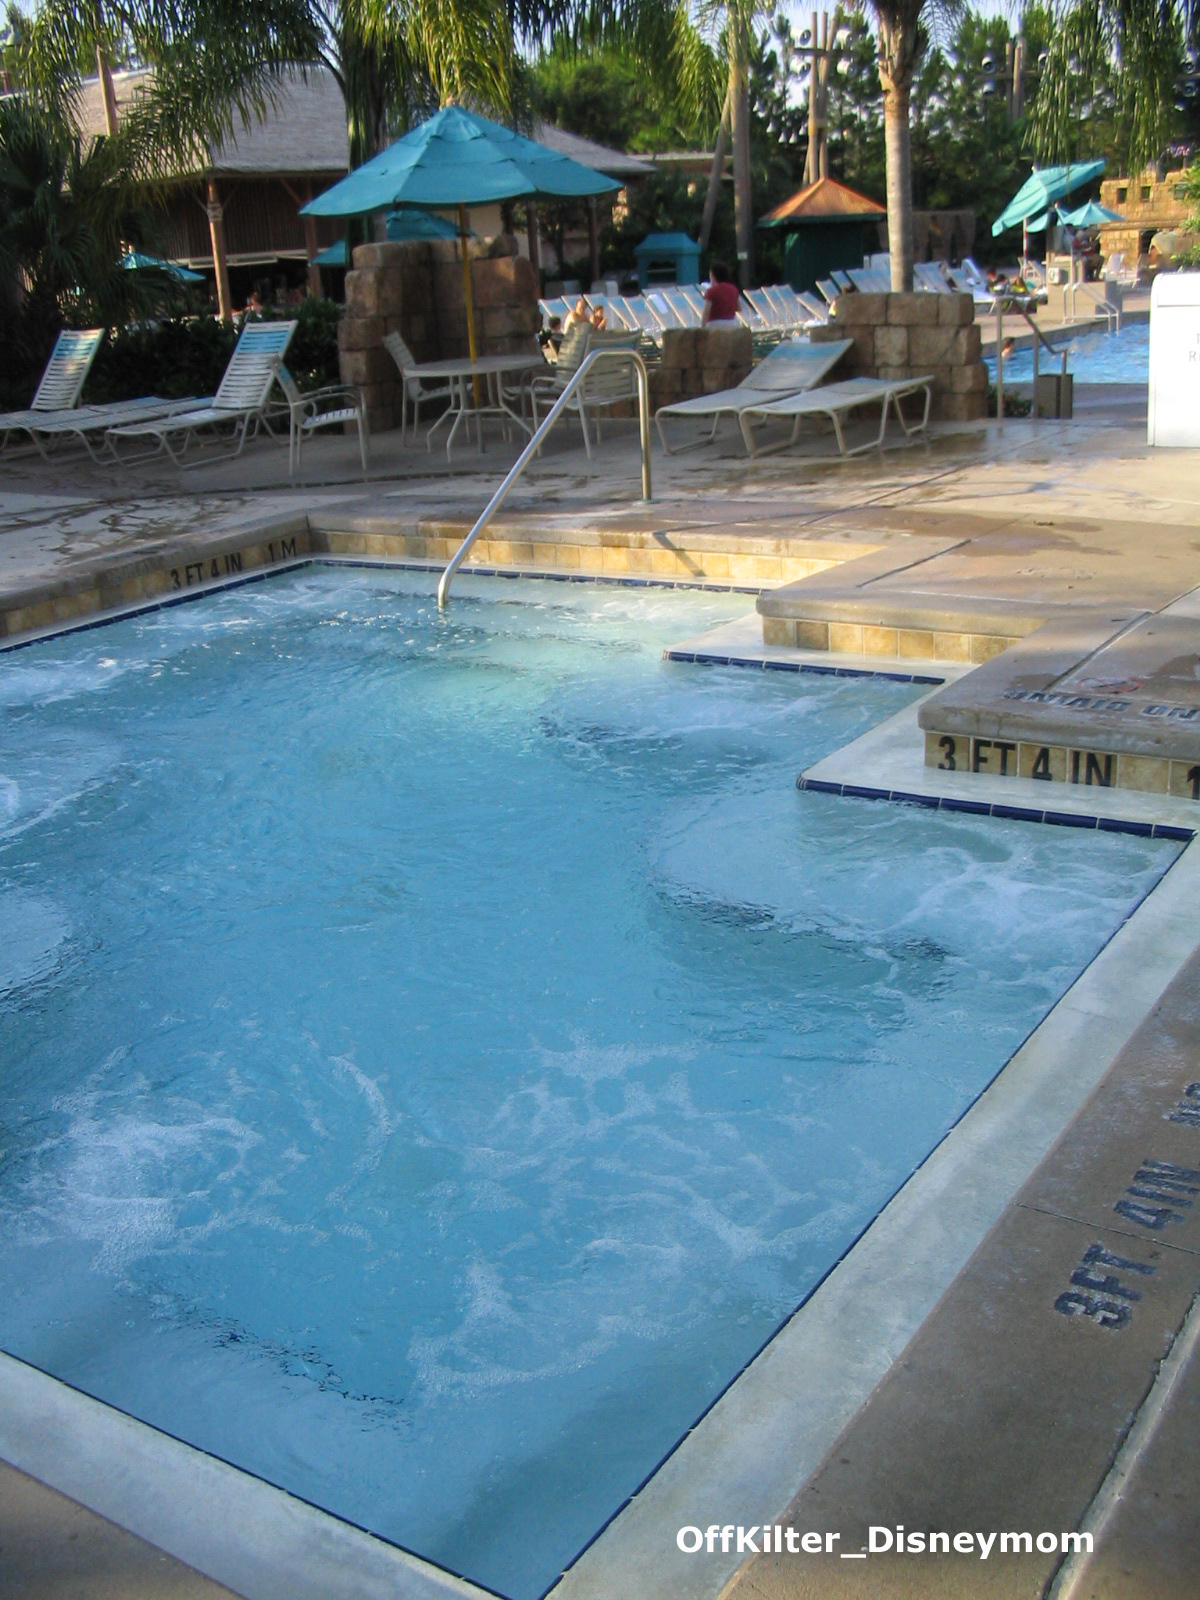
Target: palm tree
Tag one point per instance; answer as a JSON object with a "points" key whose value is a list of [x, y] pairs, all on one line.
{"points": [[1139, 47], [68, 208], [213, 63], [397, 59], [897, 24]]}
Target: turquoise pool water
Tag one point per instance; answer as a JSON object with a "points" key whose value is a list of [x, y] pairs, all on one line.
{"points": [[435, 1054], [1091, 358]]}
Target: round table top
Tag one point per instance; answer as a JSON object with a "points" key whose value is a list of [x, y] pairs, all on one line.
{"points": [[464, 367]]}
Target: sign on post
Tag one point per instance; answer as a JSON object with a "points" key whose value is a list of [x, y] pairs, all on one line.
{"points": [[1174, 412]]}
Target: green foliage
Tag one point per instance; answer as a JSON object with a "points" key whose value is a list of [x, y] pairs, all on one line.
{"points": [[68, 207], [606, 95], [312, 357], [1015, 405], [1109, 82], [217, 65], [176, 358], [180, 357]]}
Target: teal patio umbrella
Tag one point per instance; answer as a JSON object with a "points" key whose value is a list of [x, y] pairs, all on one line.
{"points": [[1089, 215], [401, 227], [1038, 193], [459, 159], [135, 261], [1041, 189]]}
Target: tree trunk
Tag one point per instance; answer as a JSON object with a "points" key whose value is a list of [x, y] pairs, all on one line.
{"points": [[898, 42], [104, 73], [739, 102], [715, 176]]}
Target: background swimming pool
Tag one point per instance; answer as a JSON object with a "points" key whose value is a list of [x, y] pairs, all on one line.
{"points": [[436, 1053], [1091, 358]]}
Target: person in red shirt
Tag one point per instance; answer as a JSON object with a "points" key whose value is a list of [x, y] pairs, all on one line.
{"points": [[721, 297]]}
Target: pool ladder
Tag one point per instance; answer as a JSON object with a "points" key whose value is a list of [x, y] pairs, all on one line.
{"points": [[535, 444]]}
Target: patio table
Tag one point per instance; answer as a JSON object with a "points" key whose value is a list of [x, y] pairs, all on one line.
{"points": [[461, 373]]}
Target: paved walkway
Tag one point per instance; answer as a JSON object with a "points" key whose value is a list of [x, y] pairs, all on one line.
{"points": [[53, 1549]]}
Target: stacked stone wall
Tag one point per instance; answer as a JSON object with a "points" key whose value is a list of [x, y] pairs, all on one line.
{"points": [[700, 361], [417, 290], [908, 335]]}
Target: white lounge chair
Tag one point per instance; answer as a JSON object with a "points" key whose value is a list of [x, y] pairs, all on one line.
{"points": [[62, 382], [817, 314], [790, 368], [836, 401], [331, 407], [240, 402], [91, 425]]}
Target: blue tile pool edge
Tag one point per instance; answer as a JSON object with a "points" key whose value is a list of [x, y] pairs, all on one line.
{"points": [[711, 658], [1001, 811]]}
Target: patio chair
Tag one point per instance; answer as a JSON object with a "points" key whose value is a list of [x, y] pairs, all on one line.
{"points": [[835, 401], [413, 390], [331, 407], [61, 383], [791, 367], [240, 402], [611, 384], [1115, 271]]}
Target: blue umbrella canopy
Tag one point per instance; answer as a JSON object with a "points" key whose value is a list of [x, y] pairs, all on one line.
{"points": [[134, 261], [458, 159], [1041, 189], [401, 227], [1089, 215]]}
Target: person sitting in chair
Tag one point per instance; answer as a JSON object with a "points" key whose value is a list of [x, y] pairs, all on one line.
{"points": [[579, 313], [721, 297]]}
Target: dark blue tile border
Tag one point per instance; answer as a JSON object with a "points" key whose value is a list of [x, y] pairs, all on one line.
{"points": [[769, 664], [982, 808]]}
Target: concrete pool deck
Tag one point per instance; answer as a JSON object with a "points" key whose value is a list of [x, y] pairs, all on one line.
{"points": [[971, 1402]]}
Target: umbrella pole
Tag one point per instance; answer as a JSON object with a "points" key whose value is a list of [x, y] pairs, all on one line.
{"points": [[472, 350]]}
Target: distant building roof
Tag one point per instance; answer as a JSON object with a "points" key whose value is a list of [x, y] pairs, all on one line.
{"points": [[305, 131], [667, 244], [823, 201], [615, 163]]}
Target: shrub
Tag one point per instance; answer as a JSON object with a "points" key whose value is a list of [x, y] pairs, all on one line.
{"points": [[1015, 405], [181, 357]]}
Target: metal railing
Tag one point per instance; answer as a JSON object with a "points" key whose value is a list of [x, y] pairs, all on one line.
{"points": [[535, 444]]}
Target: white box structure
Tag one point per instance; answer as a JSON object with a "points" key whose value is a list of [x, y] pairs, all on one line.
{"points": [[1173, 417]]}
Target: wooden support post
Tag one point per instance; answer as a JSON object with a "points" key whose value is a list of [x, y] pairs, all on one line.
{"points": [[216, 229], [534, 238], [594, 237], [311, 247], [464, 237]]}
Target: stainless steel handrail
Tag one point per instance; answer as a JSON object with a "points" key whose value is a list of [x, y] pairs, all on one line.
{"points": [[535, 444]]}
